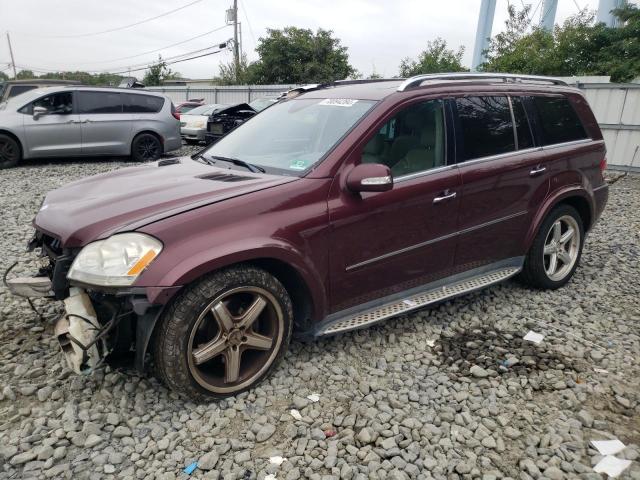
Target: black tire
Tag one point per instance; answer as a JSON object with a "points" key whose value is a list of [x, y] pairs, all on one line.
{"points": [[190, 141], [535, 272], [189, 326], [10, 151], [146, 147]]}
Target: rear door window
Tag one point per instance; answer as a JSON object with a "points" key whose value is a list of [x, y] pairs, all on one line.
{"points": [[99, 102], [143, 103], [523, 129], [558, 120], [485, 126]]}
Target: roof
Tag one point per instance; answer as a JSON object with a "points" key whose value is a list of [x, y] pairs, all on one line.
{"points": [[41, 81], [30, 95]]}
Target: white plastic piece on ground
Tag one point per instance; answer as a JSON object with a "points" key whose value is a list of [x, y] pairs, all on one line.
{"points": [[612, 466], [608, 447], [78, 303], [277, 460], [431, 343], [314, 397], [271, 476], [600, 370], [534, 337], [295, 414]]}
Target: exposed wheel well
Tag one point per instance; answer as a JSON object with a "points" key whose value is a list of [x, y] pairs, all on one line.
{"points": [[582, 206], [9, 134], [295, 286]]}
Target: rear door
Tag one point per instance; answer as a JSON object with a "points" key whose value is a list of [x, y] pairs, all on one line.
{"points": [[384, 243], [504, 178], [57, 132], [105, 128]]}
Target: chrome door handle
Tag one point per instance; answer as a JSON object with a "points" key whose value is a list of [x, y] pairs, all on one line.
{"points": [[446, 196], [537, 171]]}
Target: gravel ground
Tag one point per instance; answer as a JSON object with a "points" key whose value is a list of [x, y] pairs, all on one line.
{"points": [[447, 393]]}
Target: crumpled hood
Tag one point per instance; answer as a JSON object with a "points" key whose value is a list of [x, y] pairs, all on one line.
{"points": [[126, 199]]}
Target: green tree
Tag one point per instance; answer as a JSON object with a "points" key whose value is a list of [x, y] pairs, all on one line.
{"points": [[297, 55], [158, 73], [3, 77], [435, 59], [577, 47], [25, 75], [227, 73]]}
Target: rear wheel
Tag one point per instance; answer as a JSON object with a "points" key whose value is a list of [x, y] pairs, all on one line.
{"points": [[224, 334], [146, 148], [556, 250], [10, 152]]}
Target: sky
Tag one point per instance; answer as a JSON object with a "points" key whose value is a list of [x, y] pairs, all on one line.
{"points": [[57, 34]]}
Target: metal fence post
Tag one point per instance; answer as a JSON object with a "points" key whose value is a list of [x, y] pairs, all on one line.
{"points": [[186, 93]]}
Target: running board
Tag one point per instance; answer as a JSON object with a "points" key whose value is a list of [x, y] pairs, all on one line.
{"points": [[417, 300]]}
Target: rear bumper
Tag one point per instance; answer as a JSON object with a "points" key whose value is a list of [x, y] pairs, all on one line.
{"points": [[193, 133], [600, 199]]}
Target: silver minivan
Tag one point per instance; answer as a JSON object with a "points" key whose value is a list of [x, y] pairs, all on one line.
{"points": [[87, 121]]}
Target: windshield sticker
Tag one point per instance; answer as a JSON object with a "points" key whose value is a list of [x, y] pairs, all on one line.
{"points": [[338, 102], [298, 165]]}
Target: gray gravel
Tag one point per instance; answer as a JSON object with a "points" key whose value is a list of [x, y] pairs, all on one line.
{"points": [[447, 393]]}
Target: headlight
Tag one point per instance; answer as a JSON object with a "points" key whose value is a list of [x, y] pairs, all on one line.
{"points": [[116, 261], [197, 124]]}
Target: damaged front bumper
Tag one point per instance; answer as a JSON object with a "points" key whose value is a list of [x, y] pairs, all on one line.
{"points": [[96, 323]]}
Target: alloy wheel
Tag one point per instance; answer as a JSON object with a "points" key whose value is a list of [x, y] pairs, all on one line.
{"points": [[8, 152], [561, 248], [235, 339], [149, 149]]}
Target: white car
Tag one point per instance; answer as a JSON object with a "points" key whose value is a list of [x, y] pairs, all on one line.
{"points": [[193, 124]]}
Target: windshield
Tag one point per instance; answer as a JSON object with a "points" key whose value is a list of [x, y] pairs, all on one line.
{"points": [[204, 109], [291, 136], [260, 104]]}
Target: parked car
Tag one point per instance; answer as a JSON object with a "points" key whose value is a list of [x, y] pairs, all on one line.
{"points": [[11, 88], [260, 104], [83, 121], [224, 120], [184, 107], [336, 208], [193, 124]]}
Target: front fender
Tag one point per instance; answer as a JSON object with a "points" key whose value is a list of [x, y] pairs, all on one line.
{"points": [[217, 256], [550, 202]]}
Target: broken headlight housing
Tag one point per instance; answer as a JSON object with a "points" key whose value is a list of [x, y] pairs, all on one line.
{"points": [[116, 261]]}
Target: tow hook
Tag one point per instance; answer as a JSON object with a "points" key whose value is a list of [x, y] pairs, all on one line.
{"points": [[78, 333]]}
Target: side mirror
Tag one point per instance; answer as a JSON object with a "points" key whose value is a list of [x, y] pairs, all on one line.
{"points": [[38, 112], [370, 177]]}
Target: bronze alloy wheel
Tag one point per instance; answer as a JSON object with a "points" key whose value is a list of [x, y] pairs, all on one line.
{"points": [[235, 339]]}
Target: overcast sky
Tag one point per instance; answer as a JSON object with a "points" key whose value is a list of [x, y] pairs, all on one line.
{"points": [[377, 33]]}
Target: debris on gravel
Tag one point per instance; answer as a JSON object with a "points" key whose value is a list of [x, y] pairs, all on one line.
{"points": [[451, 392]]}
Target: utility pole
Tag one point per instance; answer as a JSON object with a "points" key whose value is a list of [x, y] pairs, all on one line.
{"points": [[548, 17], [483, 32], [236, 45], [13, 62]]}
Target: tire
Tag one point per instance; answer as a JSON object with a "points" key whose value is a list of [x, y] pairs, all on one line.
{"points": [[190, 141], [146, 147], [537, 271], [10, 151], [241, 315]]}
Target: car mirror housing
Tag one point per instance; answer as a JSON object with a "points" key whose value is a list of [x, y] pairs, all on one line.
{"points": [[370, 177], [38, 112]]}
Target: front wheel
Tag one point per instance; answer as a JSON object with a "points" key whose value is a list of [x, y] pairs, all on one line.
{"points": [[556, 250], [146, 148], [224, 334]]}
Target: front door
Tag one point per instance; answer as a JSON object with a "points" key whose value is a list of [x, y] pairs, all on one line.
{"points": [[383, 243], [504, 179], [57, 132], [105, 128]]}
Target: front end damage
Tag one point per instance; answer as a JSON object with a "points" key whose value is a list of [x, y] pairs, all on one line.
{"points": [[96, 324]]}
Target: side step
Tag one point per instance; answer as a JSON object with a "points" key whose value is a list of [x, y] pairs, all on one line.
{"points": [[417, 300]]}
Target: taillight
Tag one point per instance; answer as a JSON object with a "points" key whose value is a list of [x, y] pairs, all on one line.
{"points": [[603, 164], [174, 112]]}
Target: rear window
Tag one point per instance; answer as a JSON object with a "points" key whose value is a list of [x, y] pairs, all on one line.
{"points": [[558, 120], [486, 126], [18, 89], [99, 102], [143, 103]]}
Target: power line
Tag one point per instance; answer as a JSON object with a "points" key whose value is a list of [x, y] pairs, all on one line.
{"points": [[153, 51], [246, 16], [117, 28]]}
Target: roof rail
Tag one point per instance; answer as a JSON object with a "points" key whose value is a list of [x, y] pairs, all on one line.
{"points": [[335, 83], [415, 82]]}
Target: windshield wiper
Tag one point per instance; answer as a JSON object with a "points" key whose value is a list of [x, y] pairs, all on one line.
{"points": [[241, 163], [199, 157]]}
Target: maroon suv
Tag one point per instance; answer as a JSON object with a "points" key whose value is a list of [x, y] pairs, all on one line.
{"points": [[340, 206]]}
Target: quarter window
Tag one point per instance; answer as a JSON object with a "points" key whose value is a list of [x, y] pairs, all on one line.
{"points": [[99, 102], [558, 120], [143, 103], [412, 141], [486, 126]]}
